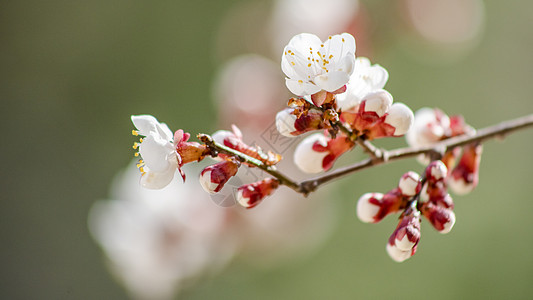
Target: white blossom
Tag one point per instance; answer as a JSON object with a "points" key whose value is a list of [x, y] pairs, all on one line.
{"points": [[366, 78], [312, 65], [159, 158]]}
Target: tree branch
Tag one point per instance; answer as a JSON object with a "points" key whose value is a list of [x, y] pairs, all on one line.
{"points": [[378, 156]]}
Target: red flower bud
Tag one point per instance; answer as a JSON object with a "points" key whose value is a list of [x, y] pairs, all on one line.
{"points": [[250, 195], [213, 177]]}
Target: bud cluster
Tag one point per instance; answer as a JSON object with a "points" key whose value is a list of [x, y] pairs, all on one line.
{"points": [[415, 196], [433, 125]]}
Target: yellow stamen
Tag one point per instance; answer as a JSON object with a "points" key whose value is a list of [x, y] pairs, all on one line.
{"points": [[136, 154], [292, 63], [135, 145], [134, 132]]}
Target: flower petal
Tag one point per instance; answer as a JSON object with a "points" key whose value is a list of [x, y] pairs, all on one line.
{"points": [[331, 81], [144, 124], [157, 180], [156, 152], [300, 87]]}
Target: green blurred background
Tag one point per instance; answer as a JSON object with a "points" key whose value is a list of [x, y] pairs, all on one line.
{"points": [[73, 72]]}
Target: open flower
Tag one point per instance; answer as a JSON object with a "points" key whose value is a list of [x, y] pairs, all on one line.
{"points": [[366, 78], [159, 158], [312, 65], [162, 153]]}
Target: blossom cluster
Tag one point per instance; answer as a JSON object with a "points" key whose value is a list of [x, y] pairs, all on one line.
{"points": [[342, 102], [425, 195], [339, 96], [163, 153]]}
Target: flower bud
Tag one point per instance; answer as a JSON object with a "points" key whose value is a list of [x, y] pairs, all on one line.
{"points": [[410, 184], [250, 195], [285, 122], [368, 207], [317, 153], [401, 117], [436, 171], [399, 255], [373, 207], [430, 126], [213, 177], [377, 102], [403, 241], [292, 122], [440, 217], [465, 177], [234, 141]]}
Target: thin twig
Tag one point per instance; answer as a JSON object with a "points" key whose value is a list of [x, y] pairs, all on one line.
{"points": [[499, 130], [208, 140], [378, 158]]}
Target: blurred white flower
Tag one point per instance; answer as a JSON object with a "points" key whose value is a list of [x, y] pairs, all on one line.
{"points": [[159, 241], [321, 17], [312, 65]]}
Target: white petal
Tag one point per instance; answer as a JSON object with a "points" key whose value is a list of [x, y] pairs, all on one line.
{"points": [[303, 41], [400, 117], [308, 160], [379, 102], [242, 200], [397, 254], [301, 88], [331, 81], [409, 183], [207, 184], [299, 64], [366, 211], [346, 64], [165, 132], [285, 122], [156, 152], [158, 180], [404, 244], [459, 186], [145, 124], [339, 46]]}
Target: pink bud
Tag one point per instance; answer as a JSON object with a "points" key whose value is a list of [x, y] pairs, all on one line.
{"points": [[430, 125], [440, 217], [317, 152], [234, 141], [250, 195], [403, 241], [213, 177], [187, 151], [401, 117], [373, 207], [465, 177], [410, 184], [436, 171], [377, 102], [290, 125]]}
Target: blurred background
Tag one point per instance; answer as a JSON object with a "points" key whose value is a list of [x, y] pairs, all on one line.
{"points": [[72, 73]]}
